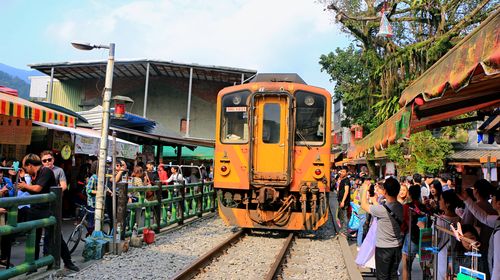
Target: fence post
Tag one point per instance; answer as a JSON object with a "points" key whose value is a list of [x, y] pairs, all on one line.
{"points": [[202, 198], [214, 196], [181, 206], [56, 231], [121, 206], [157, 208]]}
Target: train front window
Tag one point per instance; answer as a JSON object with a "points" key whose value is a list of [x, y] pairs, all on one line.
{"points": [[234, 122], [271, 127], [310, 118]]}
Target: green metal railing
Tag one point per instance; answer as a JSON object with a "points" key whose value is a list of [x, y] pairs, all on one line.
{"points": [[53, 223], [182, 201]]}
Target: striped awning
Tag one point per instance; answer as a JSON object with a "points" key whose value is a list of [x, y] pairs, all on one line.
{"points": [[11, 105]]}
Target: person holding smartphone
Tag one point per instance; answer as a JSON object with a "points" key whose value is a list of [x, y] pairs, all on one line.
{"points": [[43, 180]]}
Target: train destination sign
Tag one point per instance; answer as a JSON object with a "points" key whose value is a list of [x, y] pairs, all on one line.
{"points": [[236, 109]]}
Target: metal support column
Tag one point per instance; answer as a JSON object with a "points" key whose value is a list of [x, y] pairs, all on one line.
{"points": [[146, 91], [189, 100], [51, 85], [242, 78]]}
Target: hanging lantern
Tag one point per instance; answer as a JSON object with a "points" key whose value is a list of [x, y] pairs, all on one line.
{"points": [[358, 133], [121, 106], [385, 27]]}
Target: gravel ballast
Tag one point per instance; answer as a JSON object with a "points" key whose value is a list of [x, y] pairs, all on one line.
{"points": [[171, 253], [250, 258]]}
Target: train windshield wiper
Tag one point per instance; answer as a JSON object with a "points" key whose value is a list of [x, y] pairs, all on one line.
{"points": [[303, 139]]}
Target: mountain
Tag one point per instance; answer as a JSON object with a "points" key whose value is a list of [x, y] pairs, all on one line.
{"points": [[17, 79], [20, 73], [22, 87]]}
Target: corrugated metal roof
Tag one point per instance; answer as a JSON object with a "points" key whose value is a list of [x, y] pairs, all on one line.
{"points": [[474, 154], [137, 68], [164, 139]]}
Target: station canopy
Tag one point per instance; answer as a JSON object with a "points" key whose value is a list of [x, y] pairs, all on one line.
{"points": [[134, 68], [464, 80]]}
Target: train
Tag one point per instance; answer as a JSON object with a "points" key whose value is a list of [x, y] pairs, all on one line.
{"points": [[272, 153]]}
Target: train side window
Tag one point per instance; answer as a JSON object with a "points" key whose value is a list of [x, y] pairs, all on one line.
{"points": [[271, 128], [310, 118], [234, 122]]}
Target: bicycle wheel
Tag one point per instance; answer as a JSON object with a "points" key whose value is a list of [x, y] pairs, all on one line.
{"points": [[74, 238]]}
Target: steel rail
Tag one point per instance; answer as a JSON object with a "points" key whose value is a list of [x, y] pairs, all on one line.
{"points": [[202, 261], [275, 268]]}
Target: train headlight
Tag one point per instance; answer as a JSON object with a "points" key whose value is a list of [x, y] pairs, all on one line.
{"points": [[318, 173], [224, 170]]}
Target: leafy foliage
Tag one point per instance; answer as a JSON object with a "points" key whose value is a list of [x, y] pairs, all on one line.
{"points": [[424, 30], [423, 154]]}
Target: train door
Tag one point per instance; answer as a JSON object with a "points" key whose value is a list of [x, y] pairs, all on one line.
{"points": [[270, 152]]}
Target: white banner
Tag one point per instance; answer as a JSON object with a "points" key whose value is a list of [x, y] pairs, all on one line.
{"points": [[90, 146]]}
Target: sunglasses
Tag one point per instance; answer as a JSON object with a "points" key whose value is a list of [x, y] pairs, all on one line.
{"points": [[47, 160]]}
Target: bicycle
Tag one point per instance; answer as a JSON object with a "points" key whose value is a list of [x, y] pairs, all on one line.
{"points": [[76, 235]]}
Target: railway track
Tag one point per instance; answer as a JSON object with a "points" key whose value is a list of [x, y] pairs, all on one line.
{"points": [[213, 262], [271, 255]]}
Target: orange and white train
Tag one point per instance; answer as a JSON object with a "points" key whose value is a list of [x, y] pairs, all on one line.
{"points": [[272, 153]]}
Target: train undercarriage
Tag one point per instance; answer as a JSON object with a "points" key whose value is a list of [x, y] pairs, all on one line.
{"points": [[271, 207]]}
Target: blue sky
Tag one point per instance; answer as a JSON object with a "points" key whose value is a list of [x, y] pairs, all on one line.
{"points": [[264, 35]]}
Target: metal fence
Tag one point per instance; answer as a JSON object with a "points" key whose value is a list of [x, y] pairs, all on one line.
{"points": [[52, 223], [167, 205]]}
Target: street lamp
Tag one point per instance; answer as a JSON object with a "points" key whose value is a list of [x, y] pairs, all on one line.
{"points": [[103, 147]]}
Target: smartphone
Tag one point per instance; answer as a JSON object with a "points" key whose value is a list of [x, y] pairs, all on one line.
{"points": [[371, 190]]}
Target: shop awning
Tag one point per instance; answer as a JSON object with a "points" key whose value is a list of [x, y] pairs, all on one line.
{"points": [[203, 153], [466, 79], [166, 140], [87, 141], [475, 59], [473, 154], [11, 105], [394, 128]]}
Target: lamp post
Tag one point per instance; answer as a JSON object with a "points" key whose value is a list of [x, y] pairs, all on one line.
{"points": [[103, 147]]}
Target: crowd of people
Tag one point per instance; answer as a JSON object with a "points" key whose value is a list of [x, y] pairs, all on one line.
{"points": [[38, 173], [388, 217]]}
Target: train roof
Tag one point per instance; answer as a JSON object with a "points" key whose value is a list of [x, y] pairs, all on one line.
{"points": [[279, 77]]}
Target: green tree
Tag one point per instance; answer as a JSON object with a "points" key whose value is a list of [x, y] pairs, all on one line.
{"points": [[423, 154], [424, 30]]}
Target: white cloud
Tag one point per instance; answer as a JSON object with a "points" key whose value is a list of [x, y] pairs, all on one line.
{"points": [[249, 34]]}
